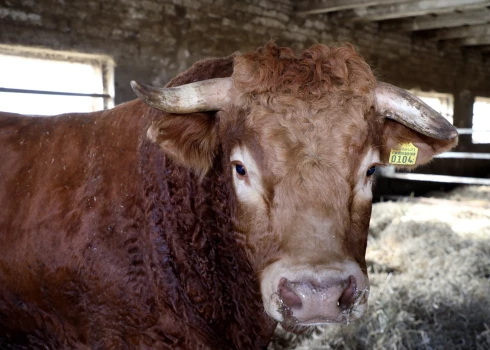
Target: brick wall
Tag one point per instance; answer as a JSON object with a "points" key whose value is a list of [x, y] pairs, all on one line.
{"points": [[152, 40]]}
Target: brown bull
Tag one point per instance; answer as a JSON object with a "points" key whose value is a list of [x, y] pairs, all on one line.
{"points": [[176, 226]]}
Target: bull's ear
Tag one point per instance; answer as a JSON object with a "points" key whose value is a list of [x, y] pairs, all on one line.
{"points": [[190, 139], [189, 134], [413, 133]]}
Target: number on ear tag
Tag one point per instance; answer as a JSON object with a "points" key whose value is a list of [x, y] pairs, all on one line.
{"points": [[406, 155]]}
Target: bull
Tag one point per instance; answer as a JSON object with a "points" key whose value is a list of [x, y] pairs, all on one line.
{"points": [[174, 220]]}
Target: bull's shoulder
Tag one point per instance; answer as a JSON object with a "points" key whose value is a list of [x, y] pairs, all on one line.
{"points": [[72, 128]]}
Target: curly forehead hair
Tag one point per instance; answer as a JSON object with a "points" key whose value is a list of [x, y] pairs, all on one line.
{"points": [[311, 75], [308, 110]]}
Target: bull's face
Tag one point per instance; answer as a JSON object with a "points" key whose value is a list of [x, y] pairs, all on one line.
{"points": [[303, 136], [306, 213]]}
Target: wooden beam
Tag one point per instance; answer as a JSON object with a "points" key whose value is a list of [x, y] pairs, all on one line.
{"points": [[481, 16], [411, 9], [389, 172], [476, 203], [308, 7], [464, 155], [466, 131], [460, 32], [439, 178]]}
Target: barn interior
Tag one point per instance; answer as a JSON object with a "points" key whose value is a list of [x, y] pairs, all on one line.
{"points": [[440, 50]]}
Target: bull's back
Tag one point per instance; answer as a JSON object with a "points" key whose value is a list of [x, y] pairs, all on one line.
{"points": [[37, 161], [52, 168]]}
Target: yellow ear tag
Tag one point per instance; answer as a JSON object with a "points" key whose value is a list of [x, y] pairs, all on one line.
{"points": [[406, 155]]}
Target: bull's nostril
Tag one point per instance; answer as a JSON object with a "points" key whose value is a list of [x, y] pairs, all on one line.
{"points": [[349, 294], [287, 295]]}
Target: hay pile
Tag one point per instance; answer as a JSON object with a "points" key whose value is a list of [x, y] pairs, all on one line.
{"points": [[429, 267]]}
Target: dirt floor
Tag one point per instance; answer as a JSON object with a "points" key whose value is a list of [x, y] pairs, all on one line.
{"points": [[429, 268]]}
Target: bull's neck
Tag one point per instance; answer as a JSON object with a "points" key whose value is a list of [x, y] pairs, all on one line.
{"points": [[201, 266]]}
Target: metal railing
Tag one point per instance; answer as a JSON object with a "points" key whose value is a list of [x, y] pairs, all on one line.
{"points": [[58, 93]]}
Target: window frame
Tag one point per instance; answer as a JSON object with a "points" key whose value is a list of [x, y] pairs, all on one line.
{"points": [[104, 63], [482, 135]]}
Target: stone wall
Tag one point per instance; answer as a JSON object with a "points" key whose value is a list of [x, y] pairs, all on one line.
{"points": [[152, 40]]}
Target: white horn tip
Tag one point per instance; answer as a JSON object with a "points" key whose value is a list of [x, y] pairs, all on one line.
{"points": [[140, 90], [135, 85]]}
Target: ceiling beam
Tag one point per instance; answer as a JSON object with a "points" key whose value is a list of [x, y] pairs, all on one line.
{"points": [[410, 9], [308, 7], [475, 17], [459, 32]]}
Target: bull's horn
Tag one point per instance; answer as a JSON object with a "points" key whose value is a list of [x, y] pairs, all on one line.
{"points": [[409, 110], [201, 96]]}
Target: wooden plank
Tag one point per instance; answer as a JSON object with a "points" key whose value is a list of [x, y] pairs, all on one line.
{"points": [[475, 17], [437, 178], [468, 131], [464, 155], [411, 9], [309, 7], [477, 204]]}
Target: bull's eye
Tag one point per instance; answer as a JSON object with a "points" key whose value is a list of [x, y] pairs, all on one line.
{"points": [[371, 171], [240, 169]]}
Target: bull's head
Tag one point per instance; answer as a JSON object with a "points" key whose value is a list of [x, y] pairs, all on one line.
{"points": [[303, 135]]}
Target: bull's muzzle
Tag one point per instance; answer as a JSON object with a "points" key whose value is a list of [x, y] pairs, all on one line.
{"points": [[312, 296], [312, 302]]}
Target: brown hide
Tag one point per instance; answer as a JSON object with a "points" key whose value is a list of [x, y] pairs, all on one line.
{"points": [[301, 132], [127, 228], [106, 243]]}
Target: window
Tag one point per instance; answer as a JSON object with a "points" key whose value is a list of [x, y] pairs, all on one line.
{"points": [[442, 103], [481, 120], [47, 82]]}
